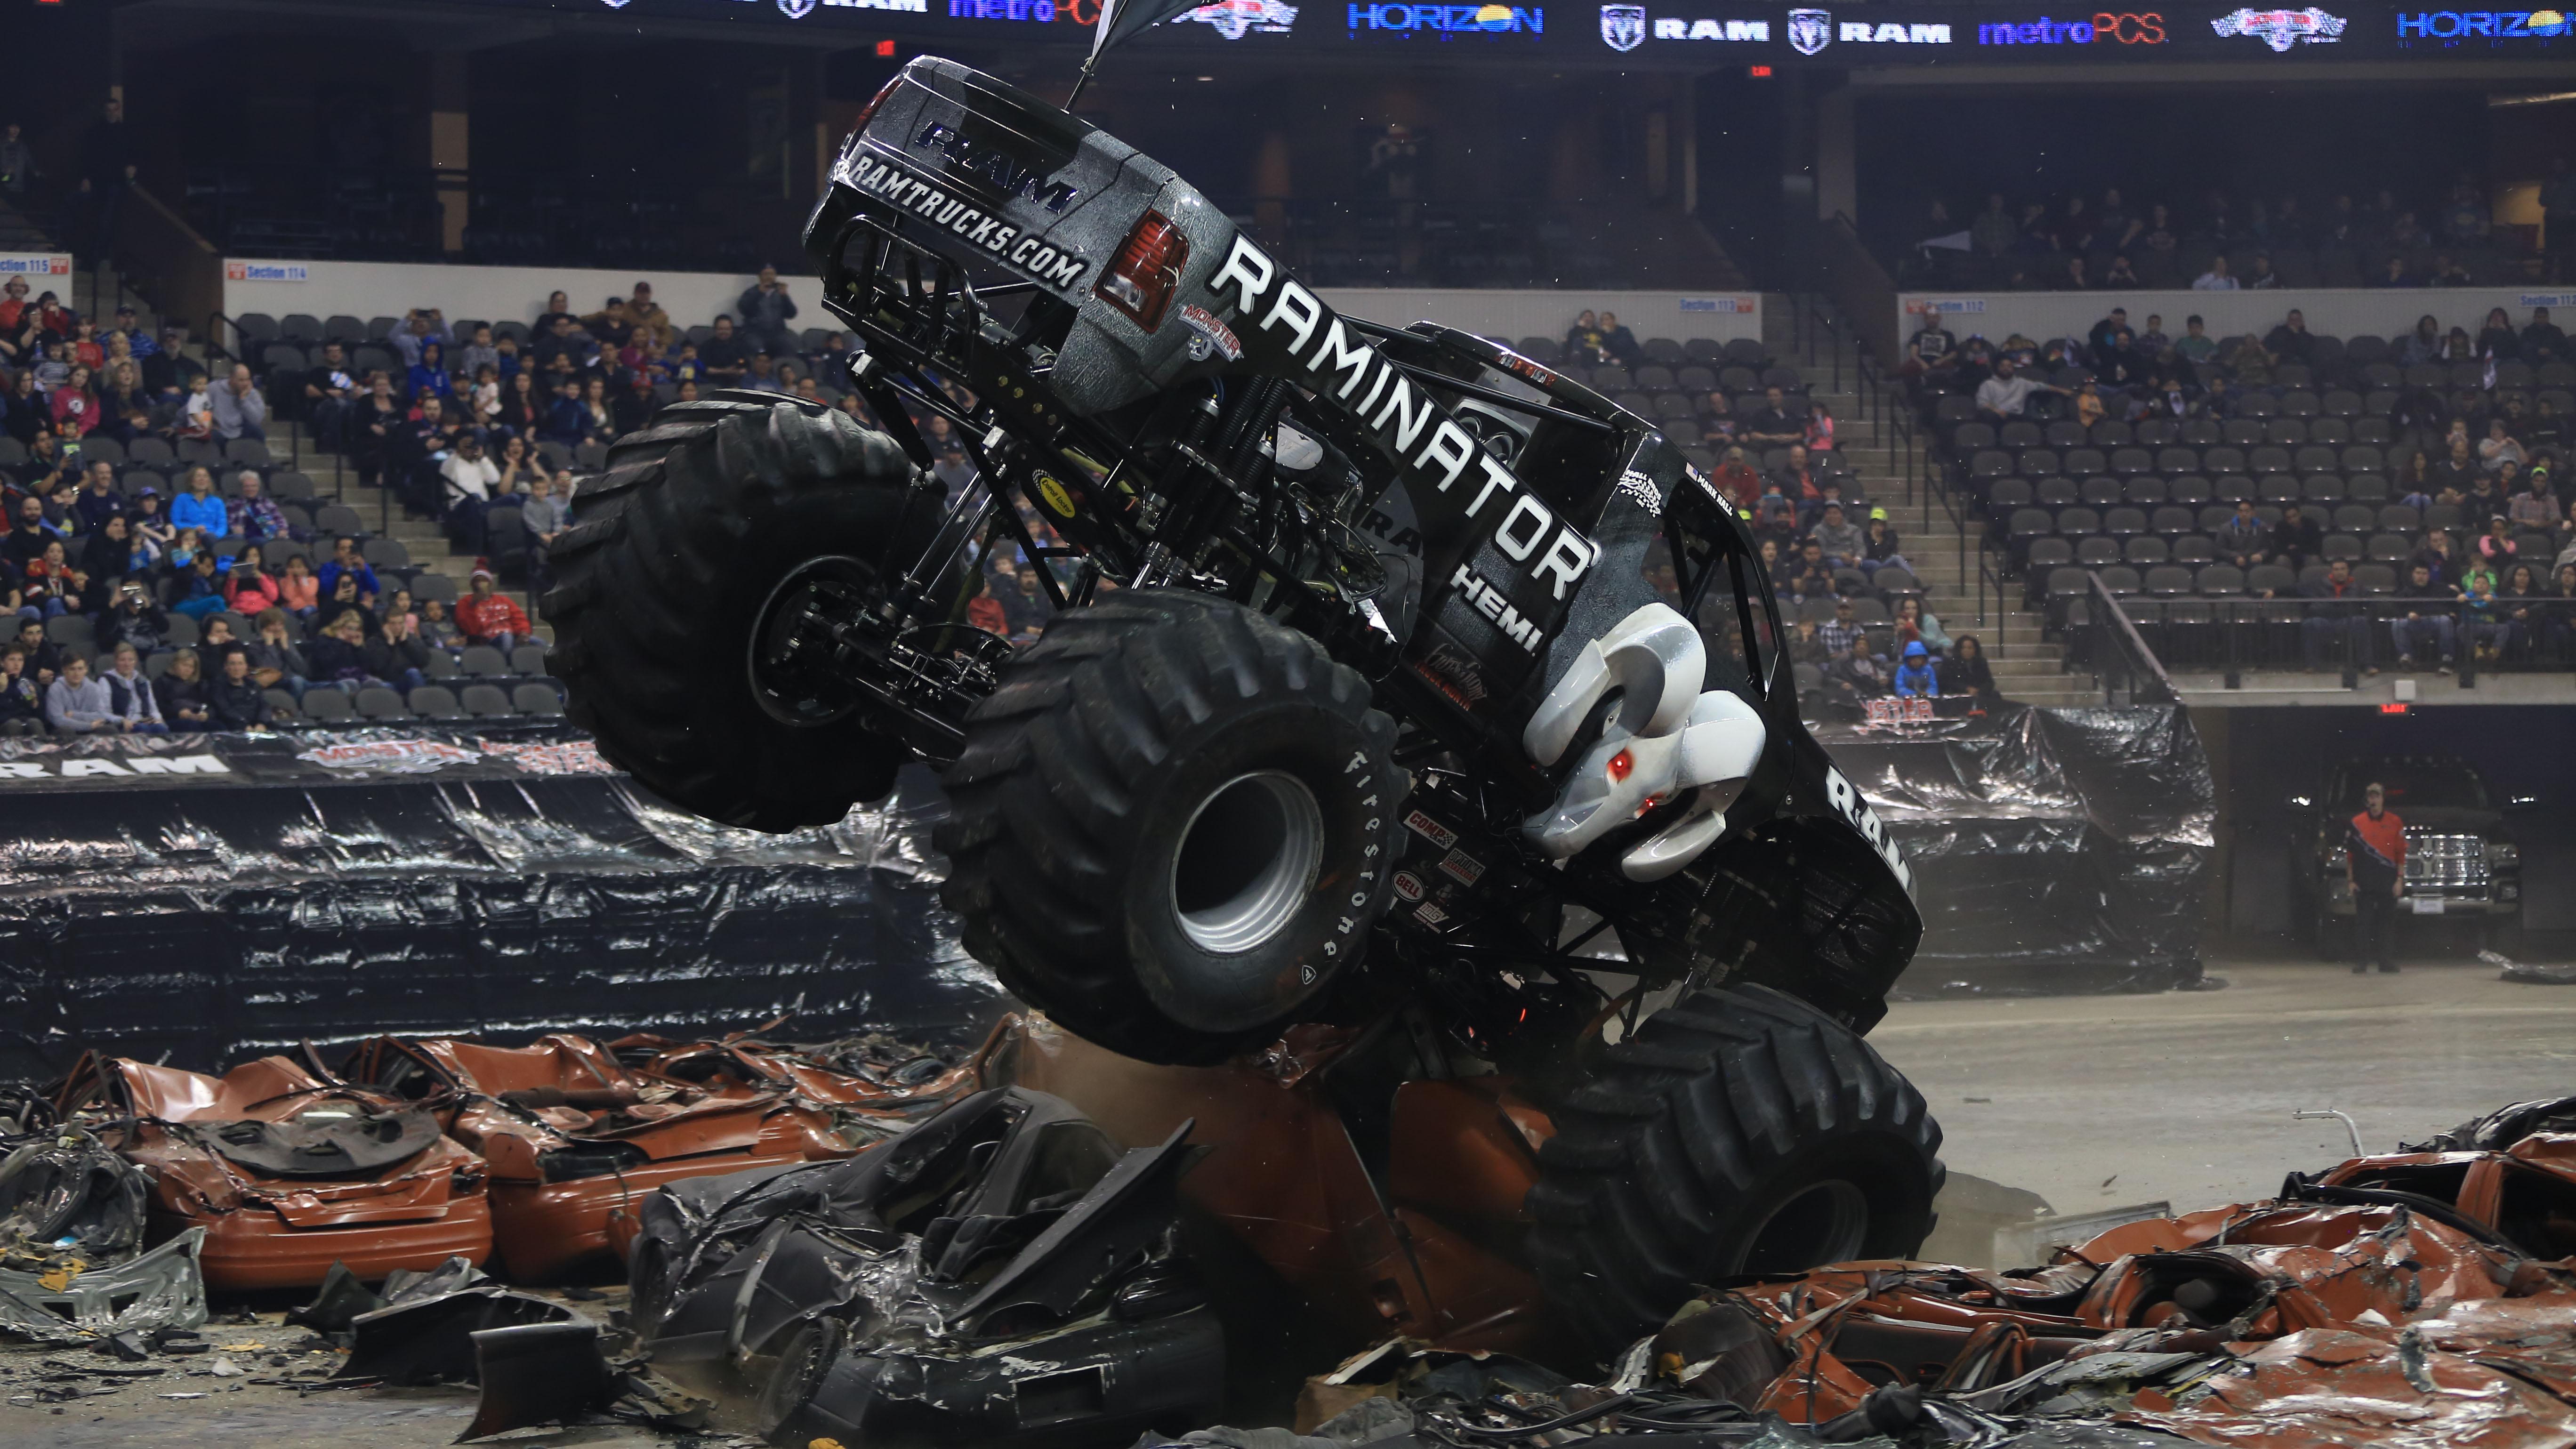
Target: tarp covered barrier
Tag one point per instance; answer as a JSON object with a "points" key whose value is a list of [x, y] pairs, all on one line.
{"points": [[2053, 850], [335, 886]]}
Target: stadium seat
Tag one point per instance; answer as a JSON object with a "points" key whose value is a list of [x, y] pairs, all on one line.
{"points": [[382, 704], [438, 703], [486, 701], [528, 659], [328, 706], [482, 661]]}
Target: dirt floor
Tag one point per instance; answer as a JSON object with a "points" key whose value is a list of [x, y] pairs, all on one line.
{"points": [[2091, 1102], [2094, 1101]]}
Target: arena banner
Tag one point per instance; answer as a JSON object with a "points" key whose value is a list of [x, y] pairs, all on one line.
{"points": [[331, 887], [1659, 34], [2053, 850]]}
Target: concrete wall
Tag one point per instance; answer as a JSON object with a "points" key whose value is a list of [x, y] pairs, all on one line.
{"points": [[379, 289], [2336, 312]]}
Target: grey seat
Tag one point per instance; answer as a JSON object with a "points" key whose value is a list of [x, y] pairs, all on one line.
{"points": [[482, 661], [537, 698], [437, 703], [486, 701], [329, 706], [382, 704], [528, 659]]}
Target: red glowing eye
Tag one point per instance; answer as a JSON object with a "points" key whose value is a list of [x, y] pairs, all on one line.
{"points": [[1620, 764], [1650, 803]]}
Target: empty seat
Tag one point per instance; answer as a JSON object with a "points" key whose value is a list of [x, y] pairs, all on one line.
{"points": [[2193, 548], [2076, 522], [336, 519], [2220, 580], [2343, 545], [2165, 581], [2096, 551], [2124, 522], [2172, 520], [2101, 492], [2144, 550], [486, 701], [437, 702], [2148, 491], [535, 697], [329, 706], [483, 661], [376, 703], [386, 553], [2390, 547], [2354, 518]]}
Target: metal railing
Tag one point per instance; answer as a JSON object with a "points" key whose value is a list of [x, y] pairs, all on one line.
{"points": [[2234, 636], [2122, 663]]}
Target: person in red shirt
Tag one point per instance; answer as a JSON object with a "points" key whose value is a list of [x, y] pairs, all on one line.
{"points": [[13, 303], [2374, 864], [490, 618]]}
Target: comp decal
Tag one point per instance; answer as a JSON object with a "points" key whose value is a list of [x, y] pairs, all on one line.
{"points": [[1032, 255]]}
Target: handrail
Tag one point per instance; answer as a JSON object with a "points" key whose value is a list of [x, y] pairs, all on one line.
{"points": [[2129, 671]]}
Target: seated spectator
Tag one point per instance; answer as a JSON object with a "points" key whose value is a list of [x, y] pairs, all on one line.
{"points": [[200, 507], [2216, 279], [1880, 547], [429, 375], [478, 353], [345, 599], [2005, 397], [2487, 629], [299, 592], [1820, 428], [422, 327], [240, 409], [567, 422], [275, 662], [1915, 677], [724, 355], [198, 590], [488, 617], [546, 514], [130, 696], [1913, 622], [345, 559], [1964, 671], [517, 465], [338, 652], [396, 654], [2497, 546], [98, 501], [524, 406], [2342, 615], [257, 515], [180, 693], [1842, 543], [2498, 448], [22, 705], [75, 406], [1855, 675], [1774, 426], [470, 479], [2296, 540], [483, 405], [2429, 606], [109, 555], [598, 424], [2542, 343], [76, 704], [2523, 616], [233, 700], [2244, 540], [438, 626], [247, 588], [1810, 577], [767, 309], [51, 586]]}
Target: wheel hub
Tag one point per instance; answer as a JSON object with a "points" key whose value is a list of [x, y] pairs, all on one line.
{"points": [[794, 653], [1247, 859]]}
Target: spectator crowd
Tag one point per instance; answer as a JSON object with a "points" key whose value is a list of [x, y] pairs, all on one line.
{"points": [[2126, 240], [2413, 491]]}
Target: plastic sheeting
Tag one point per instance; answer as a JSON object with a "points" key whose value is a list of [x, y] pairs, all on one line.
{"points": [[427, 883], [2053, 850]]}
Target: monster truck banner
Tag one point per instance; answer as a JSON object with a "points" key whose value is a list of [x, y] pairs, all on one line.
{"points": [[161, 762], [455, 889], [2053, 850], [1661, 34]]}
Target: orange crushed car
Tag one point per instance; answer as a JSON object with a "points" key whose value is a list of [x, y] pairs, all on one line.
{"points": [[286, 1169], [2425, 1297], [575, 1134]]}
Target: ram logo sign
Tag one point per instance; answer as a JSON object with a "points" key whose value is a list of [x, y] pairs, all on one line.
{"points": [[1810, 30], [1623, 27]]}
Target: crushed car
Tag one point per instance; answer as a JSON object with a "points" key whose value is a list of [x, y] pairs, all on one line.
{"points": [[574, 1134], [285, 1169], [1004, 1274], [73, 1266]]}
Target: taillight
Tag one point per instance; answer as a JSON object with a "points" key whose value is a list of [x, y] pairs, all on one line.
{"points": [[874, 101], [1148, 265]]}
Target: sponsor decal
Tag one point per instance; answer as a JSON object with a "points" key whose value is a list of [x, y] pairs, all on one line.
{"points": [[1674, 27], [1053, 491], [37, 264], [1208, 336], [1944, 305], [1235, 19], [1810, 30], [1639, 489], [1430, 915], [387, 757], [1034, 12], [1461, 867], [1845, 799], [2490, 25], [1450, 19], [2104, 28], [913, 7], [1736, 306], [1453, 672], [1623, 27], [2281, 29], [1007, 176], [1861, 32], [266, 272], [1496, 605], [100, 767], [1430, 829], [1408, 886], [1031, 255], [550, 757]]}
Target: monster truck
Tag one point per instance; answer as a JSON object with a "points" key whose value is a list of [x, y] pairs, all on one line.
{"points": [[1389, 675]]}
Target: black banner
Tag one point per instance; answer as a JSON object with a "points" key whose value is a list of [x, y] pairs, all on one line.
{"points": [[2053, 850]]}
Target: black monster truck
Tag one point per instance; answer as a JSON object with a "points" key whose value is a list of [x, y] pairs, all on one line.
{"points": [[1392, 675]]}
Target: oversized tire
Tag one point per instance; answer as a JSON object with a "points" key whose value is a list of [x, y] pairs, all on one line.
{"points": [[679, 589], [1738, 1131], [1172, 824]]}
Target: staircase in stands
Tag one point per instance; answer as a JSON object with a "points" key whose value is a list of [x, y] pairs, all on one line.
{"points": [[334, 481], [2028, 667]]}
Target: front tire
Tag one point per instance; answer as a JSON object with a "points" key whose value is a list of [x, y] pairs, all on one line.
{"points": [[1739, 1131], [677, 596], [1172, 825]]}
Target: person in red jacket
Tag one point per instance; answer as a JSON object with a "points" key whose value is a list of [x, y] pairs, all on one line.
{"points": [[490, 618], [2374, 863]]}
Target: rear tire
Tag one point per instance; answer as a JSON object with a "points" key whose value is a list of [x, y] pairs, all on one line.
{"points": [[686, 557], [1738, 1131], [1172, 825]]}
